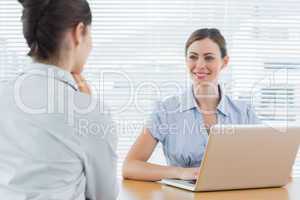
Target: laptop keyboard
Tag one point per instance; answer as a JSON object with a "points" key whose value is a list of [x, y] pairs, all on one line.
{"points": [[191, 181], [185, 182]]}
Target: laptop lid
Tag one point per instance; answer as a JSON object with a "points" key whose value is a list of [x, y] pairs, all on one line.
{"points": [[248, 156]]}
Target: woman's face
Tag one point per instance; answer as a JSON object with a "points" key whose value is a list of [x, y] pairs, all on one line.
{"points": [[204, 61]]}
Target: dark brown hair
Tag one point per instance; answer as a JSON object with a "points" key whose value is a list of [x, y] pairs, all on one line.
{"points": [[211, 33], [46, 21]]}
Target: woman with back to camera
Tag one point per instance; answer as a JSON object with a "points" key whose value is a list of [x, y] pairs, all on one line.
{"points": [[181, 123], [54, 143]]}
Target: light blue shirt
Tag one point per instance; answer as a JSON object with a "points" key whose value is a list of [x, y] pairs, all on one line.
{"points": [[178, 124], [53, 143]]}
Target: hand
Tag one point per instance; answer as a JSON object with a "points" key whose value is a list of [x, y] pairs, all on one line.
{"points": [[83, 86], [188, 173]]}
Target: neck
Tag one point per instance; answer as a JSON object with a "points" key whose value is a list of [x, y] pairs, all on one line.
{"points": [[207, 96], [65, 64]]}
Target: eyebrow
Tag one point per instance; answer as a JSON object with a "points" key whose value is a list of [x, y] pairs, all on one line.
{"points": [[205, 54]]}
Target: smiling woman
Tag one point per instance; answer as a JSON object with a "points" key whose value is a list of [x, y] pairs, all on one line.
{"points": [[181, 123], [206, 56]]}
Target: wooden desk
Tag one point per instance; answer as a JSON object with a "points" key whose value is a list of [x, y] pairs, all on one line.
{"points": [[138, 190]]}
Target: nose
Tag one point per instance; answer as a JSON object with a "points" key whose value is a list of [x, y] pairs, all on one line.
{"points": [[200, 63]]}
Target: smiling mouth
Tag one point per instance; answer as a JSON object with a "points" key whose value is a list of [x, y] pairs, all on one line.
{"points": [[200, 76]]}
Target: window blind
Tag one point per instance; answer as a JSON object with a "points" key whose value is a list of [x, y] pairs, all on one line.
{"points": [[138, 55]]}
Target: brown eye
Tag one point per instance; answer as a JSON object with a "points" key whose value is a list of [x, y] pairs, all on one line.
{"points": [[209, 58], [193, 57]]}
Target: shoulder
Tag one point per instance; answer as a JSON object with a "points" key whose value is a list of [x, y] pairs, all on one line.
{"points": [[169, 104], [243, 110], [236, 104]]}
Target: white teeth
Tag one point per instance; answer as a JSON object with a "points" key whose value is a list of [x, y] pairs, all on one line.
{"points": [[201, 74]]}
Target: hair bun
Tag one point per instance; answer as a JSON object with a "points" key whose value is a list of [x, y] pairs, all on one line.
{"points": [[46, 21], [21, 1], [34, 3]]}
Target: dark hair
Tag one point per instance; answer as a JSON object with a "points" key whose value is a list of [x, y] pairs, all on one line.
{"points": [[211, 33], [46, 21]]}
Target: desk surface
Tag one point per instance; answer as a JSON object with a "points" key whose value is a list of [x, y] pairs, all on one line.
{"points": [[138, 190]]}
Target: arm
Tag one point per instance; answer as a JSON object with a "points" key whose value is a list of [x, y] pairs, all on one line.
{"points": [[136, 166], [100, 171], [100, 163], [101, 174]]}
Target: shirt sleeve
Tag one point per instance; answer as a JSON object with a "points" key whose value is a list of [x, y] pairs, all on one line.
{"points": [[101, 161], [157, 123], [252, 117]]}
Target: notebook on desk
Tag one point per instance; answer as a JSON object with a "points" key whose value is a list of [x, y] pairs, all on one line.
{"points": [[244, 157]]}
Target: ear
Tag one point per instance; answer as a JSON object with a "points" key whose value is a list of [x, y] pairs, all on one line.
{"points": [[225, 62], [79, 33]]}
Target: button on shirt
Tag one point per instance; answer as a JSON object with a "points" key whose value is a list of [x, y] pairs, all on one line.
{"points": [[55, 142], [177, 123]]}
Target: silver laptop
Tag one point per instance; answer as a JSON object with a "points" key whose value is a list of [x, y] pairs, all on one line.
{"points": [[245, 156]]}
